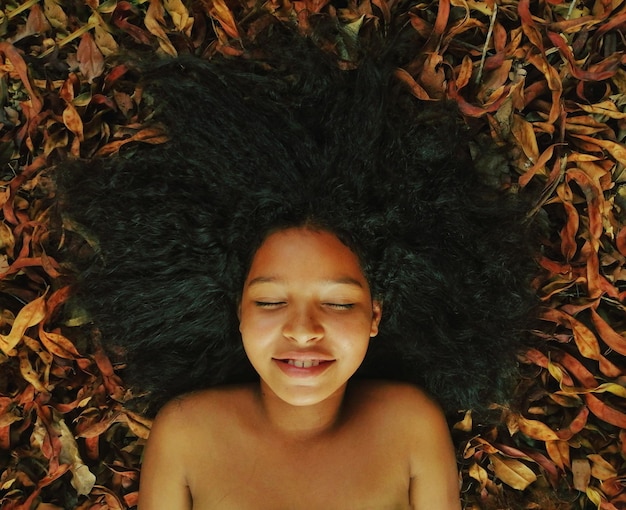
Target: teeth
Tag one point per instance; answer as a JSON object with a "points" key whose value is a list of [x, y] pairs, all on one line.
{"points": [[303, 363]]}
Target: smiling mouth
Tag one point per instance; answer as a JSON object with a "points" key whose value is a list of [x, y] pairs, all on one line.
{"points": [[303, 363]]}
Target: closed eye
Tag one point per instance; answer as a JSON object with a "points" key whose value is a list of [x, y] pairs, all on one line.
{"points": [[269, 304], [340, 306]]}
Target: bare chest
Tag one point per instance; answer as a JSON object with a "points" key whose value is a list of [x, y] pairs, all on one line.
{"points": [[257, 473]]}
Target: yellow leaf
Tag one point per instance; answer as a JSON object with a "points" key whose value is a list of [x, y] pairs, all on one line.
{"points": [[536, 430], [605, 108], [58, 345], [72, 121], [30, 315], [138, 425], [479, 474], [465, 424], [512, 472], [105, 41], [525, 135], [180, 15], [600, 468], [154, 21], [28, 372], [55, 15]]}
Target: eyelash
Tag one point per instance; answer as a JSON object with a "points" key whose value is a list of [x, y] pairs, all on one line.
{"points": [[265, 304], [340, 306], [337, 306]]}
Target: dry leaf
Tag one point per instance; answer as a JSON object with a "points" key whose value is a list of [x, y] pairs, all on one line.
{"points": [[90, 61], [514, 473]]}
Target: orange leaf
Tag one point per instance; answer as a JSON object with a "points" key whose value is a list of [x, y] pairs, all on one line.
{"points": [[575, 426], [559, 453], [19, 64], [151, 135], [538, 166], [220, 11], [605, 412], [606, 71], [416, 89], [610, 337], [617, 150], [569, 246]]}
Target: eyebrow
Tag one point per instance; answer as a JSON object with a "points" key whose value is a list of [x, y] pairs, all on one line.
{"points": [[338, 281]]}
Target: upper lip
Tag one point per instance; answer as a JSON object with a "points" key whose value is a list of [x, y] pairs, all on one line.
{"points": [[304, 356]]}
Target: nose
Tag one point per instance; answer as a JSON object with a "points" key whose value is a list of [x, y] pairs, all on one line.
{"points": [[303, 325]]}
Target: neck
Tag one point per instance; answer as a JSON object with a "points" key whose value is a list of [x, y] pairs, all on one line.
{"points": [[301, 422]]}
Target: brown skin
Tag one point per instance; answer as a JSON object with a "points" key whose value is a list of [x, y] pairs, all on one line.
{"points": [[303, 438]]}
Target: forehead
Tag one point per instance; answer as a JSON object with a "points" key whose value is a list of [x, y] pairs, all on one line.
{"points": [[303, 253]]}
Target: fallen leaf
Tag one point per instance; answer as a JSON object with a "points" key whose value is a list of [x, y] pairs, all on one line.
{"points": [[90, 60], [581, 471], [514, 473], [30, 315]]}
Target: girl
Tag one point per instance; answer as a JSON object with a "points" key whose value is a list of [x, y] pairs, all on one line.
{"points": [[306, 236]]}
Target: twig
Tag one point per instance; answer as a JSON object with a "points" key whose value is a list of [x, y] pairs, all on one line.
{"points": [[492, 22]]}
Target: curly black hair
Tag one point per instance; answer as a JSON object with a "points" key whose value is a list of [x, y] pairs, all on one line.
{"points": [[292, 140]]}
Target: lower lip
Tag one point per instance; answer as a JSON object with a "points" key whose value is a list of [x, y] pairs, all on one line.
{"points": [[294, 371]]}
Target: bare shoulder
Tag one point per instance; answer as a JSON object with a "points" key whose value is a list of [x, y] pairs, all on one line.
{"points": [[201, 411], [416, 422], [401, 400]]}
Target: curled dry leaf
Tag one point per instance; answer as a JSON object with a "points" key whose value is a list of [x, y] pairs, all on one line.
{"points": [[30, 315]]}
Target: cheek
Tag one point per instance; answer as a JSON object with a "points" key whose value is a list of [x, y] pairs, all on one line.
{"points": [[255, 327]]}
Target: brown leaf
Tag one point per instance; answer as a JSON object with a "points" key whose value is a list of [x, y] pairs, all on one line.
{"points": [[90, 59], [581, 470]]}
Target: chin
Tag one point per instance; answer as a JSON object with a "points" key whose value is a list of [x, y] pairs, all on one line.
{"points": [[306, 396]]}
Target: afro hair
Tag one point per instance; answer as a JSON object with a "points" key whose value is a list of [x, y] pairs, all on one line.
{"points": [[258, 146]]}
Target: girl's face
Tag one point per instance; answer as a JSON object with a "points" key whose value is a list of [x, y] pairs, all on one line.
{"points": [[306, 315]]}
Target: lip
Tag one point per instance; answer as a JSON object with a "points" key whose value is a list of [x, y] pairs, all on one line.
{"points": [[294, 371]]}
